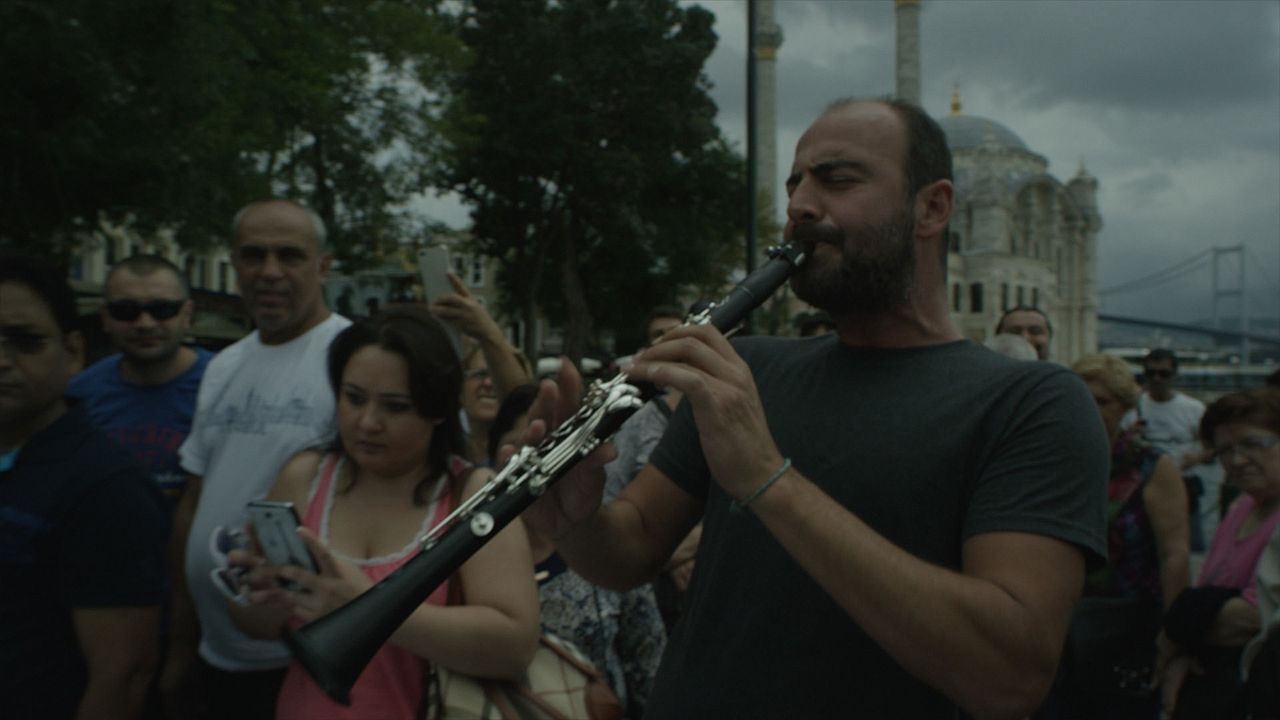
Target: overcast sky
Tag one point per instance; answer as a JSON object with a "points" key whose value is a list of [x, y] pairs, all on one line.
{"points": [[1173, 105]]}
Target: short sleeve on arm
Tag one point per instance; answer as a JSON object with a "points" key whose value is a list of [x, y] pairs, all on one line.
{"points": [[679, 453], [1046, 471], [113, 551]]}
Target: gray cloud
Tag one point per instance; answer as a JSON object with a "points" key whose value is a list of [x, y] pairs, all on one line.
{"points": [[1173, 106]]}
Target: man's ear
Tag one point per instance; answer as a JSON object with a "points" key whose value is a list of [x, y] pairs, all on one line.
{"points": [[326, 260], [934, 204]]}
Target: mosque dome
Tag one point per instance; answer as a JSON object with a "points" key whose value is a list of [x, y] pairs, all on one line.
{"points": [[965, 132]]}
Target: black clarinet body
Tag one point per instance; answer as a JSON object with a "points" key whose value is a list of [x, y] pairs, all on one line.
{"points": [[335, 649]]}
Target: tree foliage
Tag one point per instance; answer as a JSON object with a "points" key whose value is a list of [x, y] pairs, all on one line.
{"points": [[582, 136], [163, 113]]}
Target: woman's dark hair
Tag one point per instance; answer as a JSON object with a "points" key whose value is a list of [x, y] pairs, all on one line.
{"points": [[516, 403], [435, 376], [1260, 406]]}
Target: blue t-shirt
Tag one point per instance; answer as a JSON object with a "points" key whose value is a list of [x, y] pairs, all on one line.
{"points": [[150, 421], [80, 527]]}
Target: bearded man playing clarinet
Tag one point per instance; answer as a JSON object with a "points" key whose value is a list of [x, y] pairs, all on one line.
{"points": [[897, 521]]}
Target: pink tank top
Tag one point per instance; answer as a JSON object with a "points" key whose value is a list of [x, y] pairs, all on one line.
{"points": [[391, 686]]}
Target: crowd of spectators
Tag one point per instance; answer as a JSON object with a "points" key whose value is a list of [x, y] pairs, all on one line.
{"points": [[876, 515]]}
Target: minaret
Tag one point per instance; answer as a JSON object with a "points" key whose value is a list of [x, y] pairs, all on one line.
{"points": [[907, 68], [768, 39]]}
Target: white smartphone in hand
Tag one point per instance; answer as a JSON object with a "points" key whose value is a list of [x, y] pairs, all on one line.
{"points": [[433, 263], [276, 526]]}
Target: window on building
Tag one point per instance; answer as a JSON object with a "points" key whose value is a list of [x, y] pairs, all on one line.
{"points": [[224, 273], [1021, 298], [957, 295], [1035, 297], [475, 278], [112, 256], [975, 298], [1004, 297]]}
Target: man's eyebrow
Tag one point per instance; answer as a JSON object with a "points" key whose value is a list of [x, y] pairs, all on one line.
{"points": [[826, 167], [829, 166]]}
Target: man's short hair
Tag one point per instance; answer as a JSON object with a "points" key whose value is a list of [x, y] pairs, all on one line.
{"points": [[318, 231], [147, 264], [1023, 308], [1161, 354], [46, 280]]}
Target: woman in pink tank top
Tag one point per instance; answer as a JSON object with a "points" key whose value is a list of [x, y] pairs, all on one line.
{"points": [[394, 471]]}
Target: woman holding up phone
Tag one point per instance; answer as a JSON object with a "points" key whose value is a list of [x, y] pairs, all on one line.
{"points": [[392, 474]]}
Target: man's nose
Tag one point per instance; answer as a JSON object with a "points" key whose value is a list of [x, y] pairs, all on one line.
{"points": [[271, 265], [802, 205]]}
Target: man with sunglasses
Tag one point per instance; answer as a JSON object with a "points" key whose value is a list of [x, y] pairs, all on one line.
{"points": [[1170, 420], [144, 396], [81, 529]]}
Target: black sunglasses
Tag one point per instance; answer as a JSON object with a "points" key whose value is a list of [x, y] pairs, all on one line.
{"points": [[130, 310]]}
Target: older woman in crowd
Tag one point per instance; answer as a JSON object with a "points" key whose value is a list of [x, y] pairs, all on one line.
{"points": [[1112, 651], [1212, 622]]}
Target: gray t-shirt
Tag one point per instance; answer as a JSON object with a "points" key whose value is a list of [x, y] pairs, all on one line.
{"points": [[929, 446]]}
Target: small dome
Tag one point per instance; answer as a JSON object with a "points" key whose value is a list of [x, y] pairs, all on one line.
{"points": [[967, 131]]}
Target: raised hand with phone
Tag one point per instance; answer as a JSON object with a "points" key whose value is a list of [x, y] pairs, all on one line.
{"points": [[455, 304]]}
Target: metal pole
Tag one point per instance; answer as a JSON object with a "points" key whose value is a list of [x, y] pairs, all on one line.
{"points": [[751, 148]]}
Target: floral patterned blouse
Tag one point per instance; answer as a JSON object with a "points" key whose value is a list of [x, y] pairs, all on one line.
{"points": [[1133, 569], [622, 633]]}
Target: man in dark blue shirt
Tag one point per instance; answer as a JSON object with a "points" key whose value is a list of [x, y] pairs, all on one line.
{"points": [[81, 529]]}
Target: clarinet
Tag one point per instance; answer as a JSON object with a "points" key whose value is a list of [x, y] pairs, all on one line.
{"points": [[335, 649]]}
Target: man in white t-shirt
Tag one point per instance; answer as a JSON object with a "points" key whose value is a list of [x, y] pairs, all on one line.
{"points": [[1170, 421], [262, 400]]}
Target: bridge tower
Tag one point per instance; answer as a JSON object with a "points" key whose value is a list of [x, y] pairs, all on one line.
{"points": [[1233, 293]]}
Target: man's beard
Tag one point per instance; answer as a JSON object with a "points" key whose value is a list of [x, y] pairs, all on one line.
{"points": [[875, 273]]}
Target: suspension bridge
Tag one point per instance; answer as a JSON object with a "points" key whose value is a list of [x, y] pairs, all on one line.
{"points": [[1239, 323]]}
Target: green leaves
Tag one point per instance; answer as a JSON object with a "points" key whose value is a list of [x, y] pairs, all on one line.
{"points": [[582, 136], [177, 113]]}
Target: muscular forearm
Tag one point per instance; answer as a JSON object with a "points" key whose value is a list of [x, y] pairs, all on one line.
{"points": [[970, 638], [1235, 624], [611, 549]]}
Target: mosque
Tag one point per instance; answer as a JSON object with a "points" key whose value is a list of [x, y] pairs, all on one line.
{"points": [[1019, 236]]}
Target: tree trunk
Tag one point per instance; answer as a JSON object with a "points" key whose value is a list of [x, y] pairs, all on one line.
{"points": [[578, 327]]}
